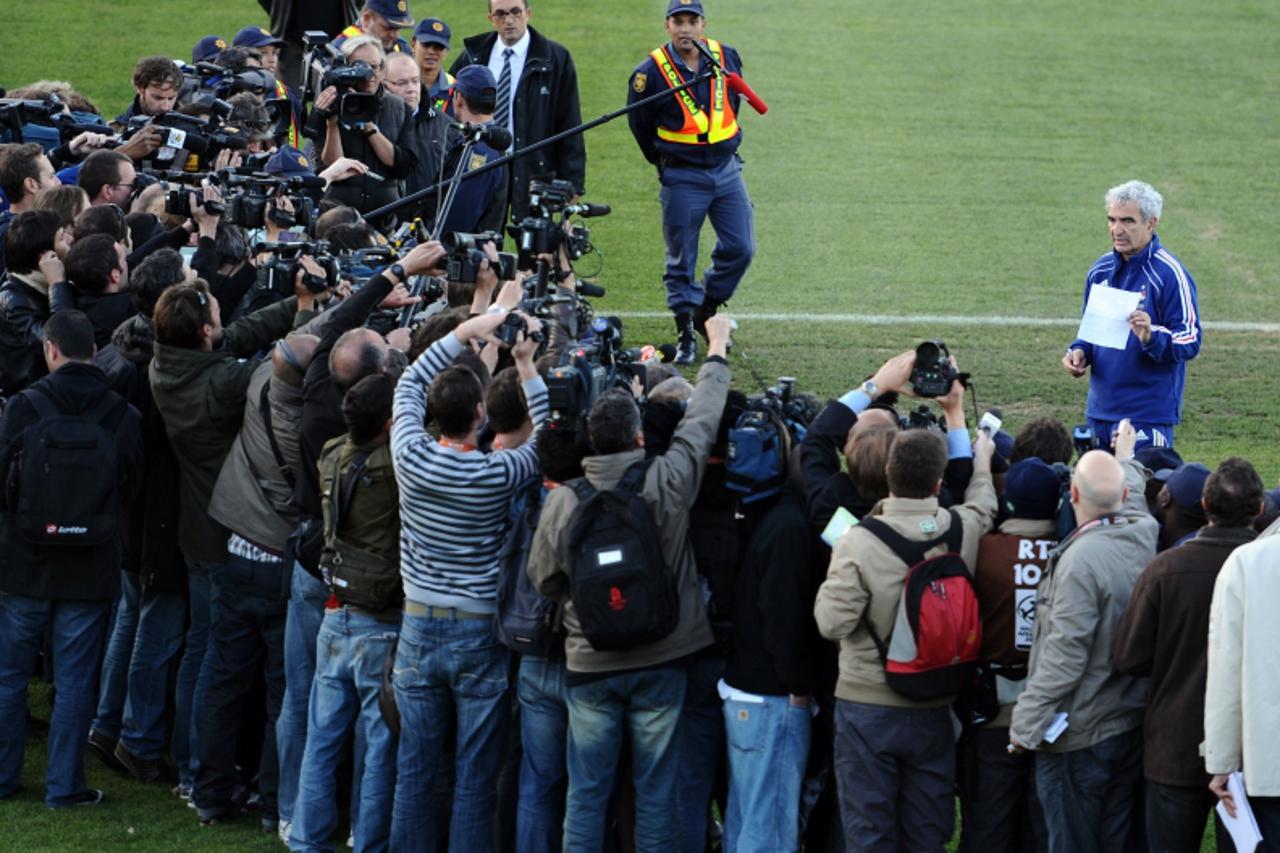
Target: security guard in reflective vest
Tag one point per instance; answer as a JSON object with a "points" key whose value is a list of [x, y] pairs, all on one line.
{"points": [[382, 19], [693, 137]]}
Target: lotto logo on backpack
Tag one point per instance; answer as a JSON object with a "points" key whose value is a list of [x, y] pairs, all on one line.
{"points": [[622, 590], [932, 651]]}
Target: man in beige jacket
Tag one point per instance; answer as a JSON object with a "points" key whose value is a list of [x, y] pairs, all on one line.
{"points": [[894, 757]]}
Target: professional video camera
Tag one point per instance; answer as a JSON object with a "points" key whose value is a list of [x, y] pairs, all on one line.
{"points": [[286, 258], [588, 369], [466, 254], [542, 233], [46, 121], [246, 196], [933, 372], [922, 417], [326, 66], [201, 137]]}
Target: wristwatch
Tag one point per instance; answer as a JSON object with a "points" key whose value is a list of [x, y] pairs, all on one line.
{"points": [[398, 271], [869, 388]]}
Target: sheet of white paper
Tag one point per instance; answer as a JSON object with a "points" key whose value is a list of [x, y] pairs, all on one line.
{"points": [[1243, 827], [1106, 317], [841, 521], [1056, 727]]}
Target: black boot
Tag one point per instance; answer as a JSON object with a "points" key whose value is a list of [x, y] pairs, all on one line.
{"points": [[687, 342], [702, 314]]}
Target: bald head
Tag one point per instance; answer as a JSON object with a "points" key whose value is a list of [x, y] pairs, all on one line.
{"points": [[1097, 488], [358, 353]]}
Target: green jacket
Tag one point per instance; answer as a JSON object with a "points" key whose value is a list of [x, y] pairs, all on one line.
{"points": [[201, 396]]}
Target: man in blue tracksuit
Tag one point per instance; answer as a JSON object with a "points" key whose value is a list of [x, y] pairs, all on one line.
{"points": [[693, 137], [1143, 381]]}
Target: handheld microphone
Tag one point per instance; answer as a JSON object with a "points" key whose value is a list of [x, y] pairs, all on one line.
{"points": [[991, 422], [736, 83], [667, 352]]}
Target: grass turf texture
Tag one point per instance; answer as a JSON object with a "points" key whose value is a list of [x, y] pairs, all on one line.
{"points": [[927, 158]]}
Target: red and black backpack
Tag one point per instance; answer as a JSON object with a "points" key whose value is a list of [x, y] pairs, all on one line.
{"points": [[932, 651]]}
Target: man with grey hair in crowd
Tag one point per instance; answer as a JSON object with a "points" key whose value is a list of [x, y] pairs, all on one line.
{"points": [[1082, 717], [1142, 381]]}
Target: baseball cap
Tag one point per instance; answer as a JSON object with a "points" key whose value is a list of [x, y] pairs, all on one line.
{"points": [[207, 48], [431, 31], [255, 37], [395, 11], [1186, 485], [675, 7], [289, 161], [1004, 449], [475, 82], [1032, 489], [1160, 461]]}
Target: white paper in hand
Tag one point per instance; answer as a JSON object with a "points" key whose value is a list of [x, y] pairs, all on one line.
{"points": [[1057, 726], [841, 521], [1243, 827], [1106, 317]]}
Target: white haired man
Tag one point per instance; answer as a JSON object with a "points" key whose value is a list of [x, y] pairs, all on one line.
{"points": [[1144, 380]]}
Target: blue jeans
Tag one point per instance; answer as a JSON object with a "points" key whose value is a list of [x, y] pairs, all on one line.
{"points": [[701, 745], [247, 635], [136, 670], [306, 610], [442, 663], [644, 705], [115, 663], [768, 750], [78, 633], [193, 671], [1089, 795], [544, 733], [689, 196], [351, 651]]}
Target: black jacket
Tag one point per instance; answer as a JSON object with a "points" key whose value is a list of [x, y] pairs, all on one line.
{"points": [[23, 311], [546, 104], [362, 192], [775, 638], [106, 311], [89, 573]]}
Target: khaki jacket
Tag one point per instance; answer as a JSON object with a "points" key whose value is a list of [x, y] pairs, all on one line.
{"points": [[670, 487], [865, 578], [1086, 588]]}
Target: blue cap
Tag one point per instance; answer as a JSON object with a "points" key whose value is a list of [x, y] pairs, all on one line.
{"points": [[1186, 485], [288, 162], [475, 82], [207, 48], [255, 37], [1032, 489], [675, 7], [431, 31], [395, 11]]}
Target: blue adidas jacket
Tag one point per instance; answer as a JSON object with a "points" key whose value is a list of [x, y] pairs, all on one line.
{"points": [[1145, 383]]}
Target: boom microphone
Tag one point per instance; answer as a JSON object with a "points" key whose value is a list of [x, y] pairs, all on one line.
{"points": [[736, 83], [668, 352]]}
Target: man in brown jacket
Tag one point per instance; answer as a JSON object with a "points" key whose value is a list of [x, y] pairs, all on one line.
{"points": [[636, 692], [1164, 634], [894, 757]]}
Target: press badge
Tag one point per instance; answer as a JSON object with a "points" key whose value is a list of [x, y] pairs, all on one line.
{"points": [[929, 525]]}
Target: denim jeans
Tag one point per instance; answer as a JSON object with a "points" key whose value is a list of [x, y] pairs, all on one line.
{"points": [[114, 684], [78, 631], [768, 750], [351, 650], [701, 745], [248, 635], [895, 776], [1089, 794], [443, 663], [193, 671], [644, 705], [305, 612], [999, 809], [135, 673], [1176, 815], [544, 733]]}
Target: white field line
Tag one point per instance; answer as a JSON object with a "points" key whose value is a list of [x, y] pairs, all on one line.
{"points": [[937, 320]]}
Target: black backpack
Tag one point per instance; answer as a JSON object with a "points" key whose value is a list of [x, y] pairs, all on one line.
{"points": [[624, 593], [62, 486], [526, 619]]}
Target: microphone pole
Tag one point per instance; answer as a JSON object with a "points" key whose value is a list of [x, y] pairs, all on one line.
{"points": [[736, 83], [415, 197]]}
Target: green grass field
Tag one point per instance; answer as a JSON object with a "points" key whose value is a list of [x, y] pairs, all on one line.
{"points": [[929, 158]]}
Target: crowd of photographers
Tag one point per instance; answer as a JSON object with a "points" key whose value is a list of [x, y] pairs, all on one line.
{"points": [[312, 519]]}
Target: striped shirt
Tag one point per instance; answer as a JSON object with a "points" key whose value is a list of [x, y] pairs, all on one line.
{"points": [[454, 505], [1145, 382]]}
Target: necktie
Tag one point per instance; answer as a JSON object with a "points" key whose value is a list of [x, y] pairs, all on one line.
{"points": [[502, 115]]}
